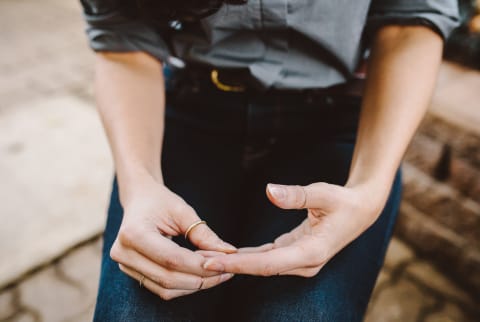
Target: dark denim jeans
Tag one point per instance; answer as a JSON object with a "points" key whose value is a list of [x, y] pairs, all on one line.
{"points": [[220, 150]]}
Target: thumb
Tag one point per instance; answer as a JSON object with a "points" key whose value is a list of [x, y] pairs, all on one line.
{"points": [[201, 235], [318, 195], [206, 239]]}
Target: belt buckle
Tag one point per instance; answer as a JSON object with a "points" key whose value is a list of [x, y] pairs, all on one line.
{"points": [[224, 87]]}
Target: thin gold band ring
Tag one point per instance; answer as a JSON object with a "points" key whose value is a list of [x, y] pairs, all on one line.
{"points": [[140, 282], [201, 284], [195, 224]]}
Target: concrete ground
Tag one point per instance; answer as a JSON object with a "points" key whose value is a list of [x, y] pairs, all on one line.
{"points": [[55, 169]]}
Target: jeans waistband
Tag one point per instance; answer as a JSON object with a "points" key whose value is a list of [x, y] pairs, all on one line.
{"points": [[199, 76], [223, 113]]}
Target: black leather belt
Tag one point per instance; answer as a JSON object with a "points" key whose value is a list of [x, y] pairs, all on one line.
{"points": [[240, 80]]}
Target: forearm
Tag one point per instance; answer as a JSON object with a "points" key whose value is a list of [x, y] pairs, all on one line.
{"points": [[401, 77], [130, 99]]}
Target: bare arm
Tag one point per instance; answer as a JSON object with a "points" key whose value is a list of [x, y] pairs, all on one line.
{"points": [[401, 77], [131, 101]]}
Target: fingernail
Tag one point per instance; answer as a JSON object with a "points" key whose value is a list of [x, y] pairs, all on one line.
{"points": [[277, 191], [213, 265], [226, 277]]}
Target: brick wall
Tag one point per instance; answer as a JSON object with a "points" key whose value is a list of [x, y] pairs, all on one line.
{"points": [[440, 214]]}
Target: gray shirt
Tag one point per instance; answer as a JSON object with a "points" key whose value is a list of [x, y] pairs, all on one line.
{"points": [[283, 43]]}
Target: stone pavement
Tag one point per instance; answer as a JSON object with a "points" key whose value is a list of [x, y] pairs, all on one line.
{"points": [[54, 160], [49, 267]]}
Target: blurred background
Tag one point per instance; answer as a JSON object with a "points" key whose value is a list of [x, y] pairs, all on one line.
{"points": [[55, 172]]}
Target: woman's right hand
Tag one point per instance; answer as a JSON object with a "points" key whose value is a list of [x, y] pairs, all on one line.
{"points": [[145, 251]]}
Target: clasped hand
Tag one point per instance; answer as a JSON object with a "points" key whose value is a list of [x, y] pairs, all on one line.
{"points": [[336, 215]]}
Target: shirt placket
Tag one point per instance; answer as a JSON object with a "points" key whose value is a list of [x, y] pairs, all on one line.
{"points": [[270, 18]]}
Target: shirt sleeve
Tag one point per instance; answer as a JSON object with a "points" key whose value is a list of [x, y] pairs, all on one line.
{"points": [[109, 29], [440, 15]]}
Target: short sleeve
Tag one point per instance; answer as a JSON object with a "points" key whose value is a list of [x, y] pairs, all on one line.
{"points": [[109, 29], [441, 15]]}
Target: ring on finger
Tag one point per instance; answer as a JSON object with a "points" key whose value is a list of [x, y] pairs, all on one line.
{"points": [[201, 283], [195, 224], [141, 280]]}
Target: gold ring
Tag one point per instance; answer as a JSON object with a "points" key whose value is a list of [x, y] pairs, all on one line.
{"points": [[201, 284], [195, 224], [141, 281]]}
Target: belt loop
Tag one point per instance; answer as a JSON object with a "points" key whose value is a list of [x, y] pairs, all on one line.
{"points": [[329, 101], [309, 97]]}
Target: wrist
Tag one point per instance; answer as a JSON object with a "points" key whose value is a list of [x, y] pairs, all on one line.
{"points": [[133, 184], [372, 194]]}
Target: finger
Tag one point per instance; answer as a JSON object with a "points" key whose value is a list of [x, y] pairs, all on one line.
{"points": [[168, 294], [304, 272], [292, 236], [266, 263], [208, 253], [158, 274], [160, 250], [284, 240], [201, 235], [257, 249], [205, 238], [317, 195]]}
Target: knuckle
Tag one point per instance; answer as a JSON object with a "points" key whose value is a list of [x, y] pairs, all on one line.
{"points": [[321, 256], [166, 295], [311, 272], [317, 256], [173, 262], [157, 279], [200, 283], [122, 268], [128, 235], [182, 208], [116, 252], [163, 294], [166, 283], [268, 270]]}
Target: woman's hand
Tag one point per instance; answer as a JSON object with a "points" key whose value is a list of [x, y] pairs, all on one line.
{"points": [[145, 251], [336, 216]]}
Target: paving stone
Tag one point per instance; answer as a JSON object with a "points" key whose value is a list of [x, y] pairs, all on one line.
{"points": [[23, 317], [59, 198], [51, 297], [7, 305], [449, 313], [84, 316], [398, 252], [401, 302], [83, 267], [426, 274]]}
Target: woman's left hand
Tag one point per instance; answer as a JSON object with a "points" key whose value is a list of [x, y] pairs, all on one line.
{"points": [[336, 216]]}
